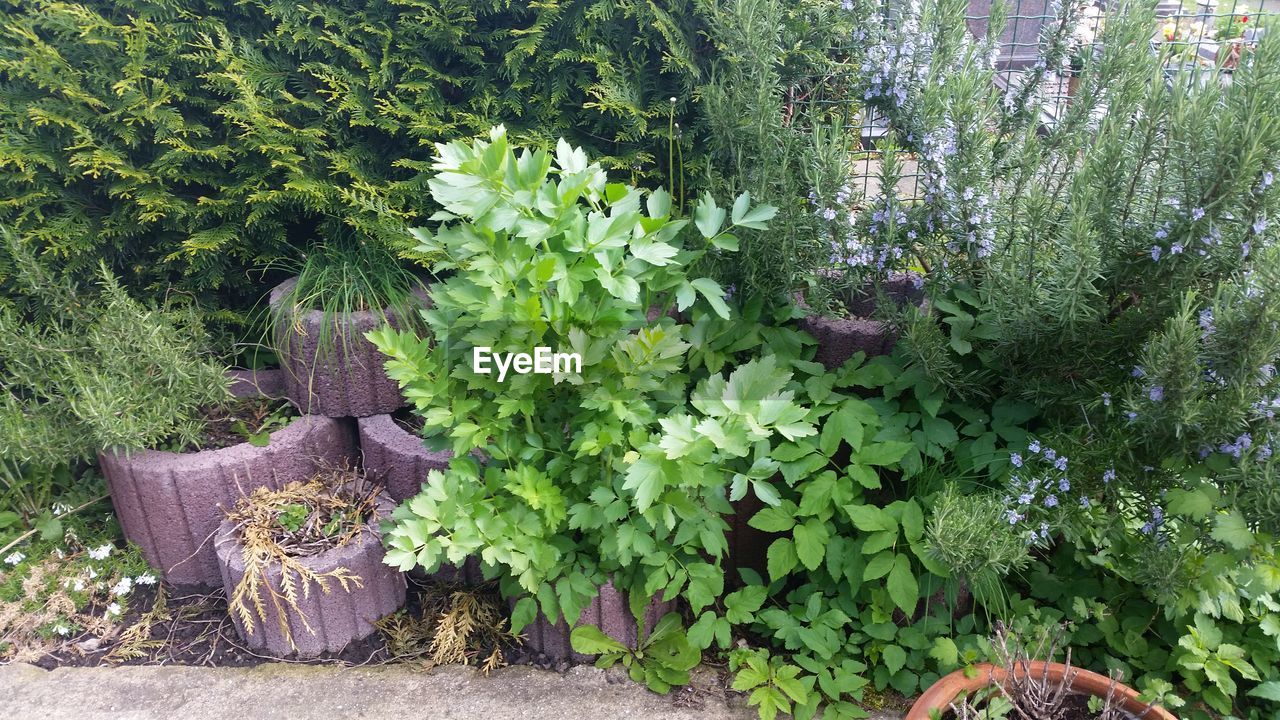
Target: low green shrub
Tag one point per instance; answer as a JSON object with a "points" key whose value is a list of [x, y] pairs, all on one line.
{"points": [[546, 485]]}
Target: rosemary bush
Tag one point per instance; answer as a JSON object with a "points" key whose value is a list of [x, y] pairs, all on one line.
{"points": [[1117, 268], [85, 370]]}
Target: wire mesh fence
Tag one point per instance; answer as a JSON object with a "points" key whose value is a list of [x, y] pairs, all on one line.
{"points": [[1195, 41]]}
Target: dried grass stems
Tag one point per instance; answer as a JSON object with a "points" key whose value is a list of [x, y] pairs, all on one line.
{"points": [[1035, 696], [279, 528], [457, 626]]}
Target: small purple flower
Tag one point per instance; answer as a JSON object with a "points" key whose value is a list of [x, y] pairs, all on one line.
{"points": [[1259, 226], [1162, 233], [1109, 475], [1106, 399], [1013, 517], [1026, 498], [1044, 531], [829, 214], [1084, 502], [1132, 416], [1061, 464], [1064, 485], [1138, 371], [1206, 322], [1176, 248], [1197, 213], [1034, 446], [1156, 251], [1051, 501], [1050, 454], [1016, 459], [1267, 179], [1156, 393]]}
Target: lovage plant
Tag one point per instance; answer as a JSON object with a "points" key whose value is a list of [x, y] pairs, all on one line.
{"points": [[540, 250]]}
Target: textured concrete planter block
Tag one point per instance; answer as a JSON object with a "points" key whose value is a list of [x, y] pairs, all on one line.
{"points": [[396, 457], [170, 504], [337, 617], [257, 383], [609, 612], [346, 378], [840, 338]]}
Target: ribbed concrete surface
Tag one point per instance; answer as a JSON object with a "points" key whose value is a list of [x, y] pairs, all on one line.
{"points": [[397, 458], [343, 378], [841, 338], [170, 504], [337, 617], [288, 692], [609, 612]]}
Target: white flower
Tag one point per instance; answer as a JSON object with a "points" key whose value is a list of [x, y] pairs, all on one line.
{"points": [[113, 609], [145, 579], [79, 586], [123, 587], [100, 553], [92, 573], [15, 558], [62, 630]]}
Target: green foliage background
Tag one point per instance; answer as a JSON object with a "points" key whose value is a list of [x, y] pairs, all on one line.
{"points": [[187, 143]]}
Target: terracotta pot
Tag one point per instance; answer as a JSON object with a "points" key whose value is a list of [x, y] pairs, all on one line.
{"points": [[333, 371], [609, 611], [840, 338], [169, 504], [941, 694], [336, 618]]}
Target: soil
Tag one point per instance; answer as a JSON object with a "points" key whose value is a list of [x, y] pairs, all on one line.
{"points": [[409, 420], [231, 424], [1076, 707], [199, 632]]}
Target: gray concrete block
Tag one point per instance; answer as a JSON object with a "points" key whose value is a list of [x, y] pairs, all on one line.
{"points": [[335, 618], [170, 504]]}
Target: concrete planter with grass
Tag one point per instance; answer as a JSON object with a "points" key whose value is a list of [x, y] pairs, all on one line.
{"points": [[170, 504], [330, 368], [609, 611], [322, 622]]}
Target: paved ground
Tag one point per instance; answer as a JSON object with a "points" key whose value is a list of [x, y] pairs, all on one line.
{"points": [[315, 692]]}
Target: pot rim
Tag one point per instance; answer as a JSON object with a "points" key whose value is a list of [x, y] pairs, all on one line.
{"points": [[946, 689]]}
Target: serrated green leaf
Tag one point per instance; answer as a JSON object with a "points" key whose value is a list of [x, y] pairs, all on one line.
{"points": [[894, 657], [811, 543], [1232, 530], [903, 588], [782, 558]]}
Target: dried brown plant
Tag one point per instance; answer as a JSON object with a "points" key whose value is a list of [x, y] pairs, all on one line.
{"points": [[279, 527], [457, 626], [136, 641]]}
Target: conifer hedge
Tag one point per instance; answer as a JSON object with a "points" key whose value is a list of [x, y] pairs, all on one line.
{"points": [[187, 143]]}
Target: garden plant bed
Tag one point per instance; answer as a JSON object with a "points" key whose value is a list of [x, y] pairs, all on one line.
{"points": [[246, 419], [818, 346]]}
